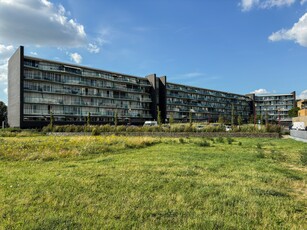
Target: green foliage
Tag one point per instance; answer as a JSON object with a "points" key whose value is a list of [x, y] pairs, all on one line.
{"points": [[159, 116], [88, 119], [3, 112], [190, 118], [221, 119], [293, 112], [171, 119], [95, 132], [232, 115], [230, 140], [204, 143], [219, 140], [51, 120], [239, 120], [116, 118]]}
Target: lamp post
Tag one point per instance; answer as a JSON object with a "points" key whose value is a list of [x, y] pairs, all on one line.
{"points": [[279, 117]]}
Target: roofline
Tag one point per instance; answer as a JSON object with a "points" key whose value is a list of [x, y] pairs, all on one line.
{"points": [[209, 89]]}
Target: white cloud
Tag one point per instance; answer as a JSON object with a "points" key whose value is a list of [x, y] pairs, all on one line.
{"points": [[5, 91], [260, 91], [276, 3], [303, 95], [77, 58], [5, 53], [33, 53], [93, 48], [247, 5], [39, 22], [303, 2], [298, 33]]}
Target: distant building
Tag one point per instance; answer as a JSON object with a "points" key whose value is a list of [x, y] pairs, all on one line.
{"points": [[302, 104], [274, 106]]}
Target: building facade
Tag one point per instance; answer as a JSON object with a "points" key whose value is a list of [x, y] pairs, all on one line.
{"points": [[205, 105], [302, 104], [274, 107], [39, 88]]}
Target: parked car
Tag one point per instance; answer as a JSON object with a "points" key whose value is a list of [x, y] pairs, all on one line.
{"points": [[150, 123]]}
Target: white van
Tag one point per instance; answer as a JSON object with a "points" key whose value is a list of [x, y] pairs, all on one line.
{"points": [[151, 123]]}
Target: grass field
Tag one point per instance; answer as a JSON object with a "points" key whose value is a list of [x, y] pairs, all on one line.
{"points": [[151, 183]]}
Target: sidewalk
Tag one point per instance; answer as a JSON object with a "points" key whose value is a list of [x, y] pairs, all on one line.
{"points": [[295, 138]]}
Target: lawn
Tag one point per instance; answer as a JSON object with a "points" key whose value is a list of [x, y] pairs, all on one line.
{"points": [[152, 183]]}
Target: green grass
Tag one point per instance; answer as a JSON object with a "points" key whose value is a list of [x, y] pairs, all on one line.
{"points": [[151, 183]]}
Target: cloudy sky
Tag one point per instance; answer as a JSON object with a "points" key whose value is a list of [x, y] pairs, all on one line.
{"points": [[239, 46]]}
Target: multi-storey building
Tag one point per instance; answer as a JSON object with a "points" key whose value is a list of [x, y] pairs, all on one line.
{"points": [[38, 88], [274, 107], [204, 104]]}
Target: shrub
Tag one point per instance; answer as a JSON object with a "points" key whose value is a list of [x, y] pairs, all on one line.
{"points": [[204, 143], [220, 140], [95, 132], [121, 128], [230, 140], [273, 128], [106, 128], [181, 140], [47, 129]]}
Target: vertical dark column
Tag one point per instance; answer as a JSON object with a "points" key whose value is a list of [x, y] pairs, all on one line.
{"points": [[294, 99], [162, 97], [15, 88], [153, 94]]}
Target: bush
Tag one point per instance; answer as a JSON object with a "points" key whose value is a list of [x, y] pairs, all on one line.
{"points": [[204, 143], [121, 128], [273, 128], [219, 140], [230, 140], [95, 132], [106, 128], [181, 140]]}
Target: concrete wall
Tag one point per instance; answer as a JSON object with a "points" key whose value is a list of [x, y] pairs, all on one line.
{"points": [[300, 119], [298, 134], [14, 88]]}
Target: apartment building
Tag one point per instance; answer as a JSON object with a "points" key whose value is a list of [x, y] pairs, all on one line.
{"points": [[205, 105], [38, 88], [274, 107]]}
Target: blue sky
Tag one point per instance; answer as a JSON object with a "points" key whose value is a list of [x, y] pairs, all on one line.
{"points": [[239, 46]]}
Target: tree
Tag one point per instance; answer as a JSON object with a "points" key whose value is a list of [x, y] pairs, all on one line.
{"points": [[3, 112], [221, 119], [293, 112], [171, 119], [51, 120], [266, 119], [239, 120], [116, 118], [88, 120], [159, 116], [190, 118], [232, 114]]}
